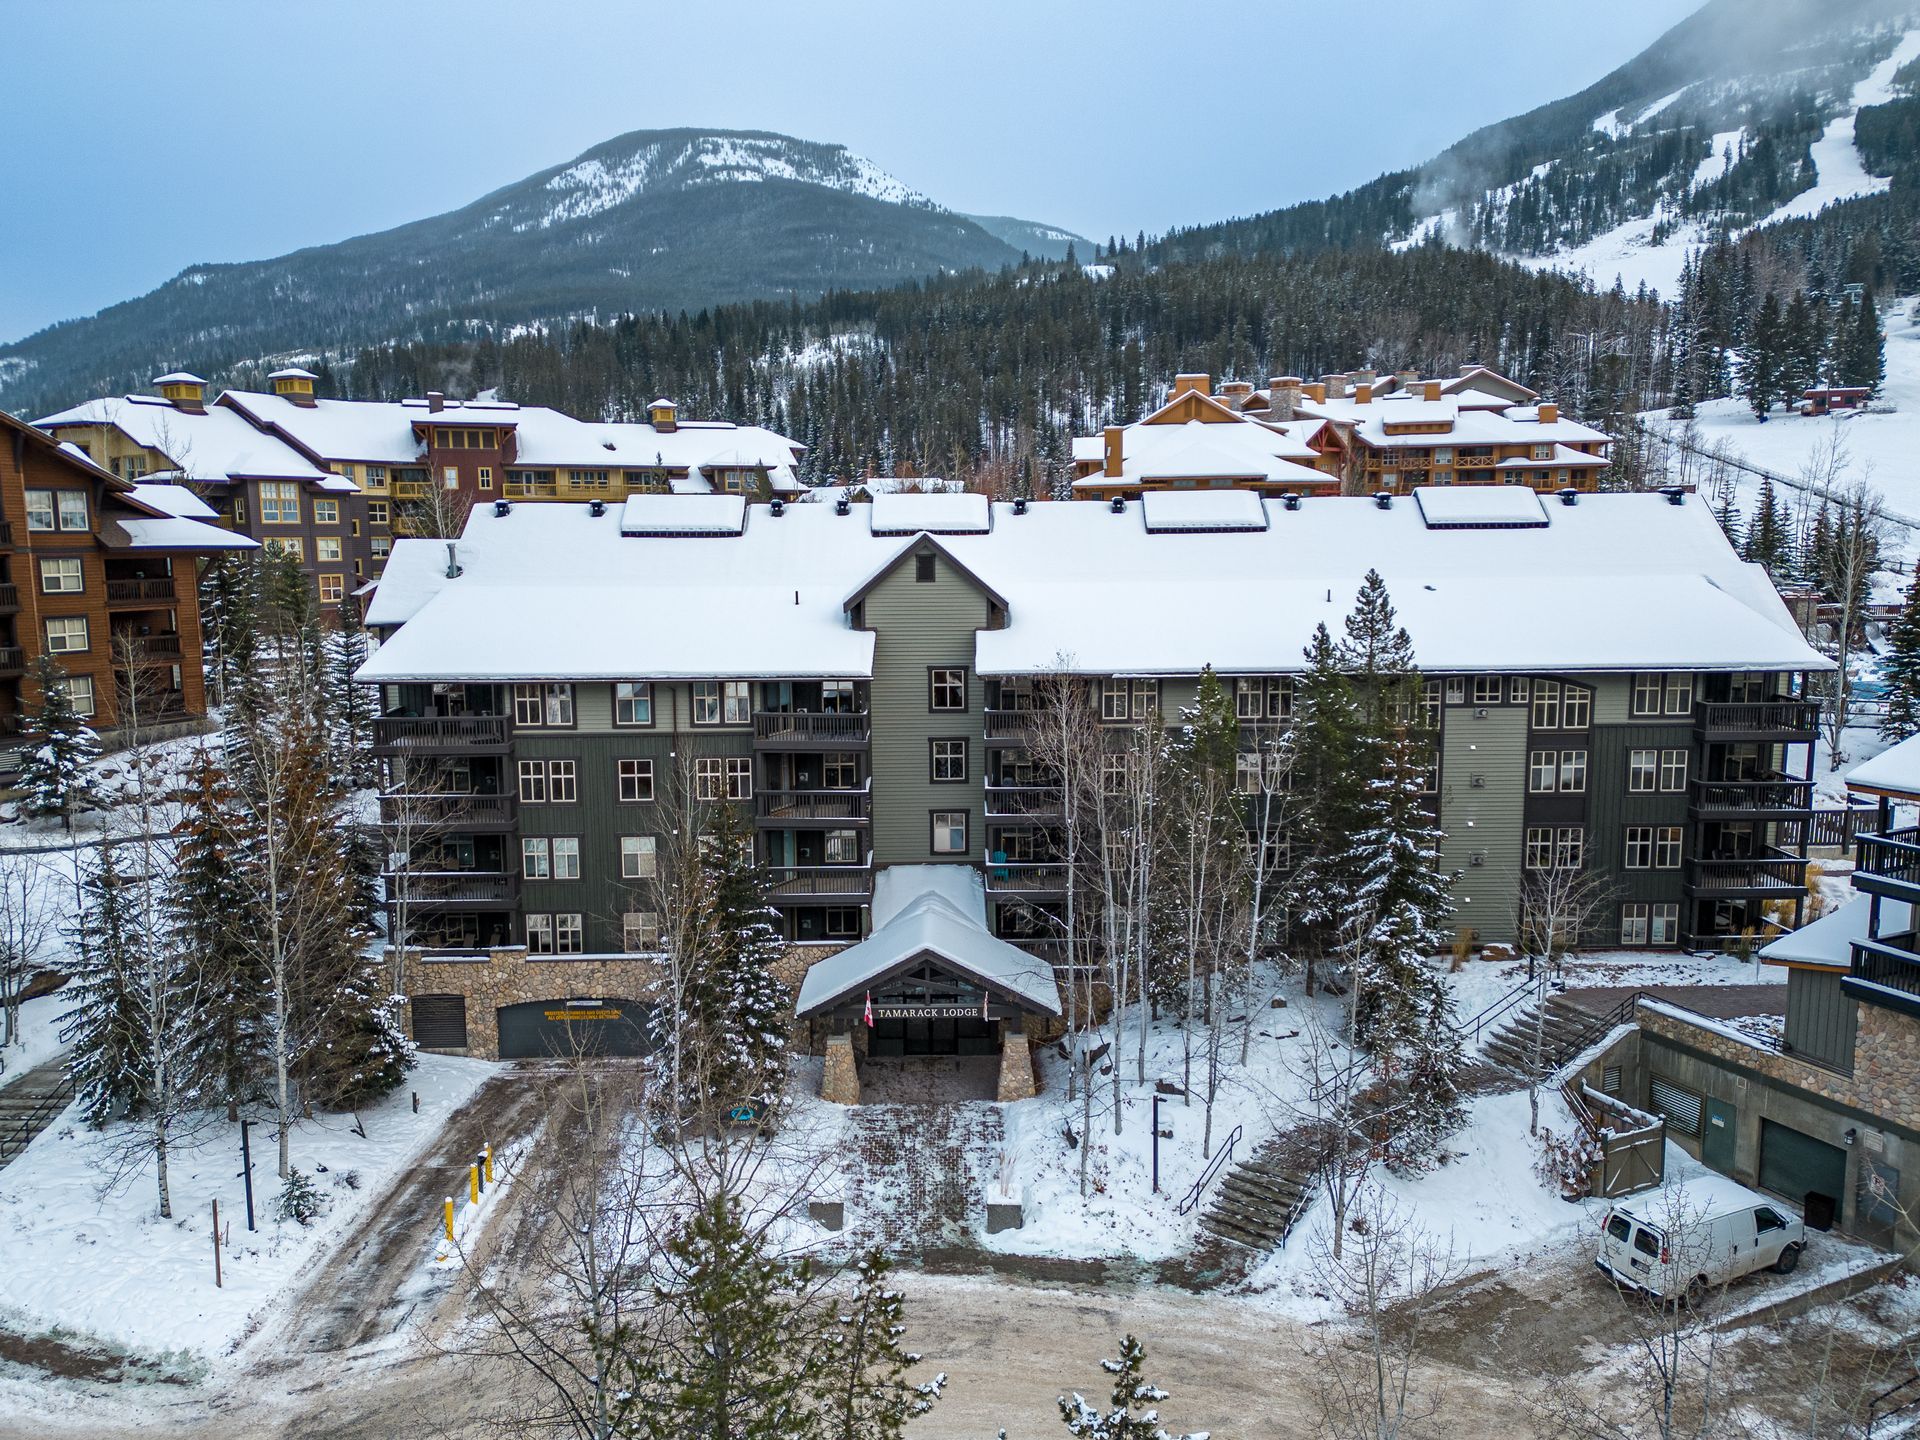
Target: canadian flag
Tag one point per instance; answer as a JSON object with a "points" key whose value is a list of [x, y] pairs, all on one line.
{"points": [[869, 1016]]}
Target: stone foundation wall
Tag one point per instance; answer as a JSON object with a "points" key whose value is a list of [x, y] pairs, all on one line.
{"points": [[1886, 1066], [510, 977]]}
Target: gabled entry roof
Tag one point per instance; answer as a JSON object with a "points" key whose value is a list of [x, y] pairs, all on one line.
{"points": [[936, 912]]}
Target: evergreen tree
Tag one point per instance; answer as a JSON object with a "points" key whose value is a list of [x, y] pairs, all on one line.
{"points": [[229, 610], [1132, 1412], [54, 772], [1327, 753], [1902, 670], [865, 1392], [106, 1025], [1761, 362], [1866, 348], [1768, 543], [748, 1012], [1377, 655], [349, 706], [1802, 346]]}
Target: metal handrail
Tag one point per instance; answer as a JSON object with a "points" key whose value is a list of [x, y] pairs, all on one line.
{"points": [[1220, 1158], [1470, 1029], [1875, 1414], [21, 1133]]}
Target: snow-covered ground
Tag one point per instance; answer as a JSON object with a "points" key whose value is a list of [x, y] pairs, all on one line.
{"points": [[1836, 159], [96, 1262], [39, 1036]]}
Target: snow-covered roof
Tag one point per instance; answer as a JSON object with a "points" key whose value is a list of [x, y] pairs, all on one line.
{"points": [[1243, 449], [1467, 424], [175, 500], [1828, 941], [1615, 583], [351, 430], [293, 372], [1172, 511], [177, 377], [683, 515], [1446, 507], [209, 446], [166, 533], [938, 911], [1895, 771], [943, 514]]}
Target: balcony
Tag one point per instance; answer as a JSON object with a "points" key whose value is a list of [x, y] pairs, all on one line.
{"points": [[1771, 875], [1023, 802], [453, 889], [450, 734], [163, 647], [1010, 724], [784, 809], [444, 812], [1774, 798], [9, 597], [1782, 720], [827, 882], [1023, 879], [13, 660], [140, 594], [1884, 974], [1888, 864], [803, 730]]}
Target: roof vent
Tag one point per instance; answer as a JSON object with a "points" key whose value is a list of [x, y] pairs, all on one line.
{"points": [[1290, 500], [777, 507], [1119, 506], [503, 508], [843, 506], [1676, 495], [1569, 496], [1384, 499], [453, 562], [596, 508], [1020, 505]]}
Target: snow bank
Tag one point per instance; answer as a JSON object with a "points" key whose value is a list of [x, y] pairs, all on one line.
{"points": [[39, 1036]]}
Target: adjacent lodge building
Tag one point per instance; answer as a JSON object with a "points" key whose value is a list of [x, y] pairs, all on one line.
{"points": [[1609, 687]]}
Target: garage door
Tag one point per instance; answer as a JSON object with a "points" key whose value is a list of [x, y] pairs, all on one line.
{"points": [[589, 1026], [1797, 1165], [440, 1022]]}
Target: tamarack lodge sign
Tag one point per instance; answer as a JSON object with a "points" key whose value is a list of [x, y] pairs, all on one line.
{"points": [[884, 1011]]}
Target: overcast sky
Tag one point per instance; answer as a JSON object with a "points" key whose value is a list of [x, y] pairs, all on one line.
{"points": [[139, 138]]}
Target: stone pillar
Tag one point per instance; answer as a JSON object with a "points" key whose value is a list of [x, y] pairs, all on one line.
{"points": [[840, 1082], [1016, 1064]]}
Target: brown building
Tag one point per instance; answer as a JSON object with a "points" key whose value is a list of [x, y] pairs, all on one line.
{"points": [[103, 575]]}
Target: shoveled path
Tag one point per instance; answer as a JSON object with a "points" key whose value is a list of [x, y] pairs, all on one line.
{"points": [[30, 1105], [1723, 1002]]}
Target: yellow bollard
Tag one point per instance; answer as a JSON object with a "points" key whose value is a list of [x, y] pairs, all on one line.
{"points": [[449, 1217], [487, 1150], [473, 1184]]}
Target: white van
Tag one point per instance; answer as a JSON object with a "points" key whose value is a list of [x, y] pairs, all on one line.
{"points": [[1693, 1236]]}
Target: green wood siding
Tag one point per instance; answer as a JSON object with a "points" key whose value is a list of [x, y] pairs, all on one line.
{"points": [[1821, 1019], [1487, 819], [1612, 808], [918, 625]]}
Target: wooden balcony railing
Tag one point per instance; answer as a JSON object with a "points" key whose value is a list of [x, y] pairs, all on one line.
{"points": [[1020, 878], [1758, 717], [781, 727], [1887, 966], [13, 659], [453, 887], [1893, 856], [1010, 724], [152, 647], [796, 805], [444, 812], [140, 592], [792, 882], [1771, 796], [1023, 802], [440, 732], [9, 597], [1772, 873]]}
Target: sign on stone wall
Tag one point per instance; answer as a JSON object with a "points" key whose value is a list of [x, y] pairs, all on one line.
{"points": [[925, 1012]]}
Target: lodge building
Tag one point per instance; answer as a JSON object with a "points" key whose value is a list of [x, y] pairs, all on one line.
{"points": [[1609, 688]]}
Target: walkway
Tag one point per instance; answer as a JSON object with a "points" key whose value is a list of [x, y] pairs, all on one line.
{"points": [[31, 1104], [920, 1180]]}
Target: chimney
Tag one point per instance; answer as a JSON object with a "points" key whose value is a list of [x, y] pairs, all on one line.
{"points": [[436, 402], [1236, 392], [1406, 379], [1114, 451], [1365, 377], [1363, 393], [1317, 392], [663, 416], [1183, 383], [1432, 388], [295, 386], [1336, 386], [184, 392], [1283, 397], [1549, 413]]}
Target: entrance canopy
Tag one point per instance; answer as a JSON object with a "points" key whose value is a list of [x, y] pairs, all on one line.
{"points": [[931, 918]]}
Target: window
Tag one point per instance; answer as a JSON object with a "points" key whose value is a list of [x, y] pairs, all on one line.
{"points": [[353, 527], [1518, 690], [1666, 848], [291, 546], [1551, 848], [839, 771], [1486, 689], [327, 547], [1456, 690], [639, 930], [946, 688], [326, 512], [949, 761], [1639, 854], [1543, 769], [1113, 699], [540, 934], [837, 697], [1647, 690], [1576, 710], [722, 703], [1246, 773], [536, 859], [1539, 847], [949, 832], [1573, 772], [923, 569], [723, 778], [570, 935], [706, 702], [566, 857], [1263, 697], [377, 480], [61, 577], [1561, 707], [1679, 695], [39, 509], [381, 546], [1633, 924], [843, 847], [80, 692], [1116, 771], [737, 698], [842, 922], [66, 634], [533, 782], [450, 477], [562, 782], [1673, 771], [1643, 771], [486, 477], [637, 857], [541, 705], [1666, 924], [376, 512], [633, 703], [73, 509], [739, 778], [636, 779], [332, 589], [1546, 705], [1430, 704], [279, 502], [1557, 770]]}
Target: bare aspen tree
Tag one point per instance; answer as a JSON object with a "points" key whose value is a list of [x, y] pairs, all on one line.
{"points": [[27, 924], [1555, 909], [1844, 566]]}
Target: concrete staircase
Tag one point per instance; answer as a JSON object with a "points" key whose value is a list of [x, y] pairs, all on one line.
{"points": [[1564, 1029], [1257, 1202], [30, 1104]]}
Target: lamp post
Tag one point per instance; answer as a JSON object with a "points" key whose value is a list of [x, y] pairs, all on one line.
{"points": [[1156, 1143]]}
